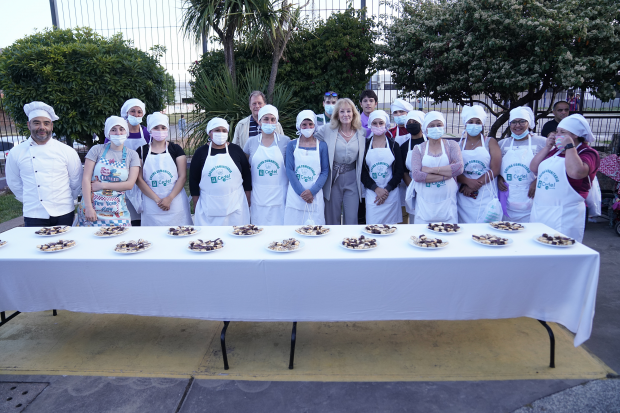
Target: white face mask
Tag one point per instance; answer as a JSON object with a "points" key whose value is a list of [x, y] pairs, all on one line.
{"points": [[118, 140], [133, 120], [307, 132], [435, 133], [219, 138]]}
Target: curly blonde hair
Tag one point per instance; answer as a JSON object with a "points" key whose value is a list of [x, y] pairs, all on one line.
{"points": [[356, 122]]}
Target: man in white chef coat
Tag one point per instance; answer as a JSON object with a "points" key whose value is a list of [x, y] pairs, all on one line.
{"points": [[44, 174]]}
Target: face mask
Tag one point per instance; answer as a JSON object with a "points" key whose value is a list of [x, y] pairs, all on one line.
{"points": [[268, 128], [473, 129], [558, 143], [329, 109], [518, 137], [377, 130], [414, 128], [159, 135], [435, 133], [133, 120], [118, 140], [400, 120], [219, 138], [307, 132]]}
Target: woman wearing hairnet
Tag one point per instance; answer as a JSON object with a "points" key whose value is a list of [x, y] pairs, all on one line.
{"points": [[220, 180], [162, 181], [566, 168], [413, 123], [110, 169]]}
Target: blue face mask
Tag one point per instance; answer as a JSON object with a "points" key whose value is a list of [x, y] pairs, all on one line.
{"points": [[268, 128], [133, 120], [519, 137], [400, 120], [473, 129], [435, 133], [329, 109]]}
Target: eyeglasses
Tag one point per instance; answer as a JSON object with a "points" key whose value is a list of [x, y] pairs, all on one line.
{"points": [[334, 94], [521, 122], [562, 110]]}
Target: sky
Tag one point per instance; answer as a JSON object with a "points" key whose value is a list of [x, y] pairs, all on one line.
{"points": [[21, 18]]}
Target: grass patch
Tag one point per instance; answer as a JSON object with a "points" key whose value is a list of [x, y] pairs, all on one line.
{"points": [[10, 207]]}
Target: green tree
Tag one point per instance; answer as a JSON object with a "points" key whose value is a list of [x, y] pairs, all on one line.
{"points": [[84, 76], [510, 51]]}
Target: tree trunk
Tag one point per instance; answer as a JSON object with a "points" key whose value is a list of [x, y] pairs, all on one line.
{"points": [[229, 58], [275, 60]]}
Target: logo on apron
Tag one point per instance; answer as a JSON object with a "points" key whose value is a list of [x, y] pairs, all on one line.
{"points": [[269, 167], [159, 181], [109, 175], [220, 173], [437, 184], [475, 167], [547, 179], [379, 170], [520, 172], [305, 173]]}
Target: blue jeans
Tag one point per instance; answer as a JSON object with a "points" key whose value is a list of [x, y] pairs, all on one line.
{"points": [[66, 219]]}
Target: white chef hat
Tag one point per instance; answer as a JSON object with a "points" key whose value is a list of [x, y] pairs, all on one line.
{"points": [[156, 118], [36, 109], [475, 111], [378, 114], [400, 104], [217, 122], [113, 121], [416, 115], [523, 112], [268, 109], [431, 116], [303, 115], [578, 125], [130, 104]]}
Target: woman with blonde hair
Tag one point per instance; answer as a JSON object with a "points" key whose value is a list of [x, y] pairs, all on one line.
{"points": [[346, 141]]}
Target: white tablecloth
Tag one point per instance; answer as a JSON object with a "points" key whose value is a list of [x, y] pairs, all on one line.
{"points": [[322, 282]]}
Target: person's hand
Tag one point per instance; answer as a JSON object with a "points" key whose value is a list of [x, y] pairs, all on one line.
{"points": [[550, 144], [561, 141], [473, 184], [501, 184], [382, 195], [532, 191], [467, 191], [307, 196], [165, 203], [96, 186], [90, 213]]}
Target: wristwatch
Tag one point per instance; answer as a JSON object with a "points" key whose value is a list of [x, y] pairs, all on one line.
{"points": [[569, 146]]}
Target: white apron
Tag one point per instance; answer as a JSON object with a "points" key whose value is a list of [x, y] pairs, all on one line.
{"points": [[477, 162], [400, 139], [379, 162], [222, 199], [556, 203], [436, 201], [307, 169], [269, 183], [408, 194], [134, 195], [516, 172], [160, 174]]}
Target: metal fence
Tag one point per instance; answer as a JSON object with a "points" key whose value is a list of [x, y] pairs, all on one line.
{"points": [[158, 22]]}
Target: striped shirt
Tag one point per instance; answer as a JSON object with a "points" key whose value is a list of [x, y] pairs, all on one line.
{"points": [[254, 128]]}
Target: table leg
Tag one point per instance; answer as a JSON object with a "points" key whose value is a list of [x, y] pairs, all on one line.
{"points": [[552, 342], [223, 342], [54, 313], [293, 340], [4, 319]]}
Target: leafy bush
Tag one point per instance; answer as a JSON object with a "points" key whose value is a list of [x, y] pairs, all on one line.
{"points": [[84, 76], [218, 96], [336, 54]]}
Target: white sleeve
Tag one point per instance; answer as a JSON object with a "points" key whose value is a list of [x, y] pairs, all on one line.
{"points": [[75, 170], [13, 177]]}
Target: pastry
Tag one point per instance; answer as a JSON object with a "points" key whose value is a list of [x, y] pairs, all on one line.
{"points": [[132, 246], [205, 246], [111, 231], [443, 227], [312, 230], [182, 231], [2, 243], [489, 239], [247, 230], [361, 243], [290, 244], [380, 229], [556, 239], [55, 230], [57, 246], [428, 242], [507, 226]]}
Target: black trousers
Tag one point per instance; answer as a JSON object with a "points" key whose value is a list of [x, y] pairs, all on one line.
{"points": [[66, 219]]}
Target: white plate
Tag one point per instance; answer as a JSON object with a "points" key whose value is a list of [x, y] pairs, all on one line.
{"points": [[301, 245], [204, 251], [252, 235], [425, 248], [198, 229], [64, 249], [110, 236], [308, 235], [132, 252], [506, 230], [443, 233], [379, 235], [510, 241], [365, 249], [54, 235], [554, 246]]}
